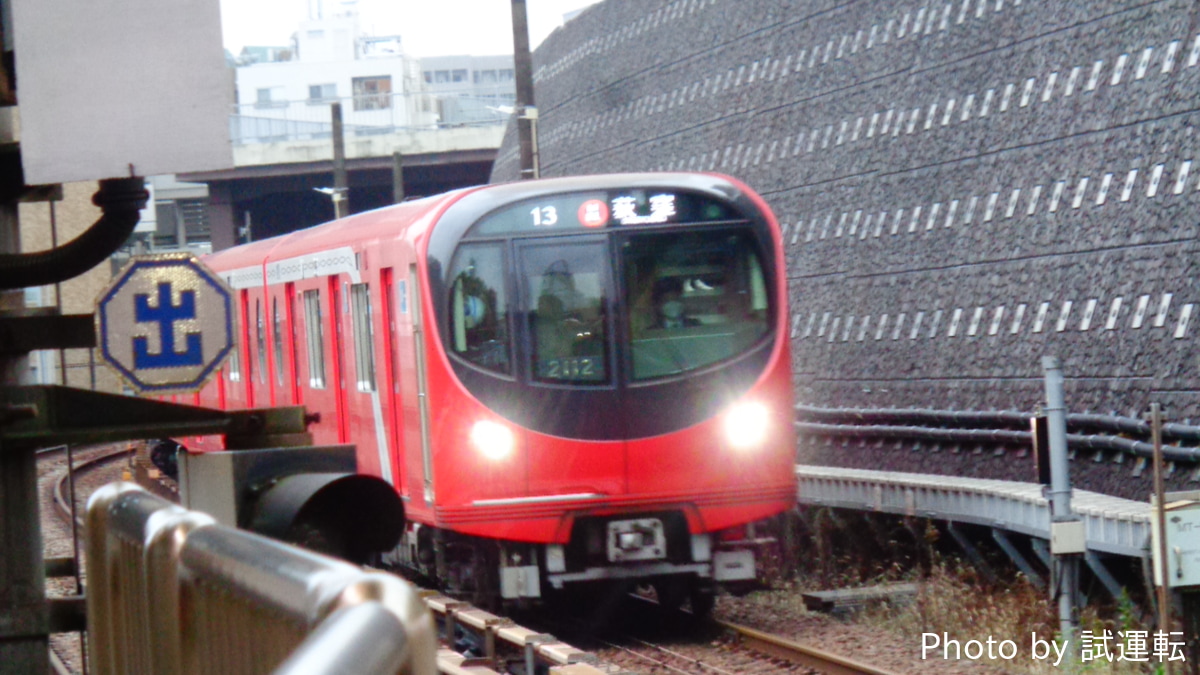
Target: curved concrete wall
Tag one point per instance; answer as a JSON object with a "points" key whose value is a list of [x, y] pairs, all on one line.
{"points": [[965, 185]]}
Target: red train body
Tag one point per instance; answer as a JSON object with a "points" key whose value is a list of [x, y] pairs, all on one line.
{"points": [[565, 380]]}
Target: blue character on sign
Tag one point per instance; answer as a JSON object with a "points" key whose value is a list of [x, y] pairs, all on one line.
{"points": [[165, 315]]}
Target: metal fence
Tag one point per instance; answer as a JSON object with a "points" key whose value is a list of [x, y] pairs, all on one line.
{"points": [[373, 114], [171, 591]]}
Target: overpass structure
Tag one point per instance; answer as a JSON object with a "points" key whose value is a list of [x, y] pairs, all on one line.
{"points": [[272, 187]]}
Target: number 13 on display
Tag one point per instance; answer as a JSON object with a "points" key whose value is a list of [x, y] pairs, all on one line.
{"points": [[544, 216]]}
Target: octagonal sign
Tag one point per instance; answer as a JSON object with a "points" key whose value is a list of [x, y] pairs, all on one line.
{"points": [[165, 323]]}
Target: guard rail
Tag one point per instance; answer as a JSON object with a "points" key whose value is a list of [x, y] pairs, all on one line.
{"points": [[171, 591]]}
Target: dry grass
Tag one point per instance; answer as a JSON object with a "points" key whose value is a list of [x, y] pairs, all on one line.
{"points": [[954, 600]]}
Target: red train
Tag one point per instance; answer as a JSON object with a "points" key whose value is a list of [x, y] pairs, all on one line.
{"points": [[564, 381]]}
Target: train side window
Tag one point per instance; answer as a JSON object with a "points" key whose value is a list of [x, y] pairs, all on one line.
{"points": [[313, 328], [262, 343], [277, 327], [235, 360], [479, 307], [364, 339], [245, 335]]}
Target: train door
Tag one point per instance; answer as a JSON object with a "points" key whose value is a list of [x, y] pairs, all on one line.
{"points": [[339, 371], [391, 377], [279, 350], [414, 281], [290, 315], [565, 299], [261, 382]]}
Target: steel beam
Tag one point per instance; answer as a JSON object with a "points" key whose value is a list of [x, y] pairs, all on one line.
{"points": [[1097, 566], [1017, 557], [971, 550]]}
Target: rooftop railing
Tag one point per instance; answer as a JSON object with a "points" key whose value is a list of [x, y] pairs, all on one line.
{"points": [[366, 115]]}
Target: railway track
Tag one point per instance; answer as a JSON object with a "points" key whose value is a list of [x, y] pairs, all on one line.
{"points": [[91, 464], [738, 650], [646, 636], [806, 656]]}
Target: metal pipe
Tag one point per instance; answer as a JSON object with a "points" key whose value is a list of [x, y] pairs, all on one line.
{"points": [[1060, 494], [120, 200], [364, 638]]}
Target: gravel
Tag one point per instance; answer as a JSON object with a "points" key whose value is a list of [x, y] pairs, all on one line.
{"points": [[782, 613]]}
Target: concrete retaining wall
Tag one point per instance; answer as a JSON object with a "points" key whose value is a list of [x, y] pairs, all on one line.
{"points": [[965, 185]]}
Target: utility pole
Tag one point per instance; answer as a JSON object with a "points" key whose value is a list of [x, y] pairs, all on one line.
{"points": [[1067, 537], [526, 108], [397, 177], [341, 194], [1160, 505]]}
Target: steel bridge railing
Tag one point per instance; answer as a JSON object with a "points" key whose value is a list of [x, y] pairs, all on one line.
{"points": [[170, 591]]}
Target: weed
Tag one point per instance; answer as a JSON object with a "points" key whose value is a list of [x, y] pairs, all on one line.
{"points": [[955, 600]]}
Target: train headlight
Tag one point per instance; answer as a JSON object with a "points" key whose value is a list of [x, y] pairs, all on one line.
{"points": [[492, 439], [746, 425]]}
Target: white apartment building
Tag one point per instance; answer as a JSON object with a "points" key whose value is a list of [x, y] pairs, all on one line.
{"points": [[471, 89], [380, 89]]}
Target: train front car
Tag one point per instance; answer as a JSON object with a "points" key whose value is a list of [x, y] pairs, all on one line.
{"points": [[610, 392]]}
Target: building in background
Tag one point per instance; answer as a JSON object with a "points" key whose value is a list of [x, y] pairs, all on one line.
{"points": [[179, 218], [284, 93], [287, 97], [470, 89]]}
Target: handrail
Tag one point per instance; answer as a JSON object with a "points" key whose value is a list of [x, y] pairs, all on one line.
{"points": [[171, 591]]}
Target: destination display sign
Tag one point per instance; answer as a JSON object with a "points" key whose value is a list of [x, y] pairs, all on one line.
{"points": [[597, 210]]}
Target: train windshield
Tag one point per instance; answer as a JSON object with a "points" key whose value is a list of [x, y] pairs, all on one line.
{"points": [[565, 288], [479, 308], [695, 298], [602, 289]]}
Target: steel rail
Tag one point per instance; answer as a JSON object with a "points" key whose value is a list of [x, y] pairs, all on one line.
{"points": [[793, 652], [61, 505]]}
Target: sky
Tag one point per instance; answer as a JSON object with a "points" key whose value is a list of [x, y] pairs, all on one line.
{"points": [[428, 27]]}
